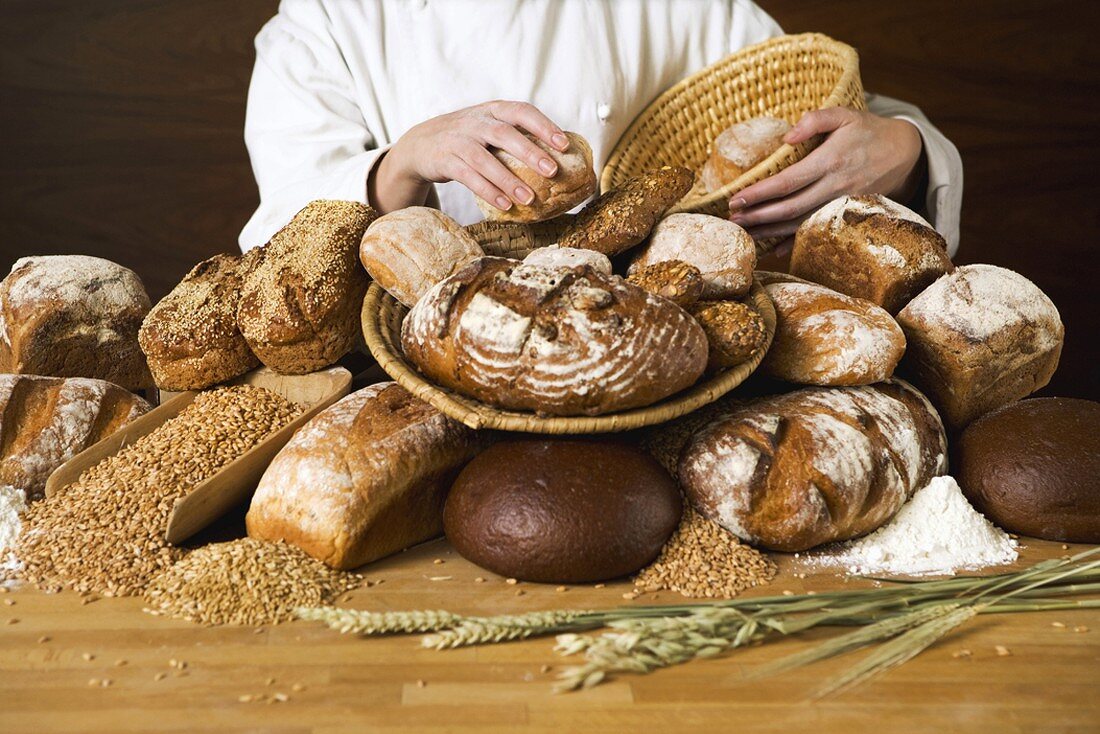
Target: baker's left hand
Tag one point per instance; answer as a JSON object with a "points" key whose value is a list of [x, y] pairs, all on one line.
{"points": [[861, 154]]}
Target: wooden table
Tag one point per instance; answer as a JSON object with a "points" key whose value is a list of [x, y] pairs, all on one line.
{"points": [[1049, 682]]}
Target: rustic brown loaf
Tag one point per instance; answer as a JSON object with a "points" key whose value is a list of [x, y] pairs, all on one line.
{"points": [[45, 421], [191, 337], [410, 250], [724, 253], [574, 181], [73, 316], [735, 332], [365, 478], [562, 511], [560, 341], [818, 465], [672, 279], [872, 248], [299, 308], [979, 338], [827, 338], [1033, 468], [740, 147]]}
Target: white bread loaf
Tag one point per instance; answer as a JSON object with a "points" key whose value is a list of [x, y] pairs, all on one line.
{"points": [[740, 147], [568, 257], [724, 253]]}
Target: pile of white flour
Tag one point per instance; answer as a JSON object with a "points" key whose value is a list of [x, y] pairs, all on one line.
{"points": [[936, 533], [13, 503]]}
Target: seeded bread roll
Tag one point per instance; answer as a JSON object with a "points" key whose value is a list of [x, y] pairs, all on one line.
{"points": [[872, 248], [299, 307], [365, 478], [191, 337], [724, 253], [574, 182], [735, 332], [73, 316], [45, 421], [814, 466], [672, 279], [827, 338], [979, 338], [619, 219], [740, 147], [560, 341], [410, 250], [568, 257]]}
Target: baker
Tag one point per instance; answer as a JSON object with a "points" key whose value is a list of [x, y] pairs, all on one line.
{"points": [[395, 102]]}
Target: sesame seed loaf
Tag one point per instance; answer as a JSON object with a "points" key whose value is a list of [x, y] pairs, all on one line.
{"points": [[672, 279], [299, 307], [559, 341], [724, 253], [73, 316], [735, 332]]}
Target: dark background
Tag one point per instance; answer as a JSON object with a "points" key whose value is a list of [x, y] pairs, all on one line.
{"points": [[121, 120]]}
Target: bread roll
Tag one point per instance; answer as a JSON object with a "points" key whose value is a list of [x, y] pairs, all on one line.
{"points": [[735, 332], [560, 341], [672, 279], [365, 478], [191, 337], [1032, 467], [561, 511], [410, 250], [574, 181], [818, 465], [740, 147], [724, 253], [568, 257], [872, 248], [45, 421], [73, 316], [826, 338], [299, 307], [980, 338], [619, 219]]}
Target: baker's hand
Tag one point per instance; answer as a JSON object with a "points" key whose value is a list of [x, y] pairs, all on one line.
{"points": [[454, 147], [862, 154]]}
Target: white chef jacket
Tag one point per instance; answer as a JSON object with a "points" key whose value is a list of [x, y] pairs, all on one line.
{"points": [[338, 81]]}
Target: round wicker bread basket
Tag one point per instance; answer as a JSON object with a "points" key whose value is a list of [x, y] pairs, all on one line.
{"points": [[783, 77]]}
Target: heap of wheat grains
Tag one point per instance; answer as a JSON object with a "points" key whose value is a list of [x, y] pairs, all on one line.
{"points": [[105, 532]]}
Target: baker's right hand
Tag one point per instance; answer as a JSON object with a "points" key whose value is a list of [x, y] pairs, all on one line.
{"points": [[454, 147]]}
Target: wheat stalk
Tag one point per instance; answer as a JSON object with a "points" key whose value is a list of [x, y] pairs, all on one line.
{"points": [[505, 628], [352, 621]]}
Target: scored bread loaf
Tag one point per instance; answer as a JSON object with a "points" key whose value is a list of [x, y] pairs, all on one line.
{"points": [[724, 253], [817, 465], [560, 341], [299, 308], [73, 316], [827, 338], [45, 421], [740, 147], [410, 250], [365, 478]]}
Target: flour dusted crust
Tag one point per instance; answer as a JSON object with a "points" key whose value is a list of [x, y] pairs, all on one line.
{"points": [[872, 248], [73, 316], [980, 338], [568, 257], [45, 421], [300, 305], [826, 338], [364, 478], [410, 250], [740, 147], [818, 465], [560, 341], [574, 181], [724, 253]]}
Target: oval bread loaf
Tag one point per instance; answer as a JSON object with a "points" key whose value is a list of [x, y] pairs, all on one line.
{"points": [[740, 147]]}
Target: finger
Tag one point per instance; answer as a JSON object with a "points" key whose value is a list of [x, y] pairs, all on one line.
{"points": [[486, 164], [786, 182], [504, 136], [461, 171], [790, 207], [531, 119], [776, 229], [818, 122]]}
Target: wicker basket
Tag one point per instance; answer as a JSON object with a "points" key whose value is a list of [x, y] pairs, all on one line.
{"points": [[782, 77]]}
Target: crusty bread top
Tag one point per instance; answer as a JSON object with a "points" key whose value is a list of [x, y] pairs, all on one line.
{"points": [[568, 257], [724, 252]]}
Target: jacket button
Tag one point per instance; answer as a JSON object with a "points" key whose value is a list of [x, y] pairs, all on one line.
{"points": [[603, 111]]}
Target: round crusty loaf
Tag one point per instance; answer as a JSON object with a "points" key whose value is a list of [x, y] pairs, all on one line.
{"points": [[724, 253], [561, 511], [410, 250], [1033, 468], [827, 338], [568, 257], [299, 307], [735, 332], [872, 248], [672, 279], [980, 338], [191, 337], [740, 147], [814, 466], [560, 341], [73, 316], [574, 181]]}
